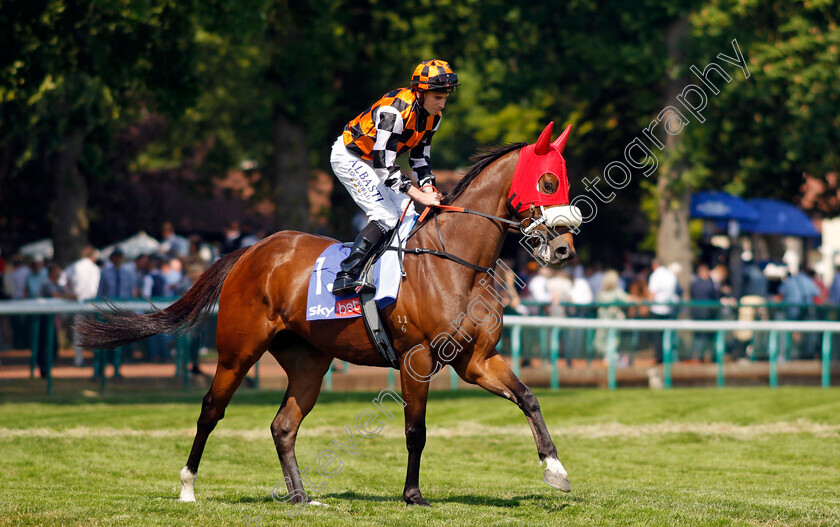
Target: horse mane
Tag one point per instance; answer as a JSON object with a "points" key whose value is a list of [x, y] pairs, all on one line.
{"points": [[482, 159]]}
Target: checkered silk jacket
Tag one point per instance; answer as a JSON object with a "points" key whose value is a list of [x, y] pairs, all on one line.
{"points": [[395, 123]]}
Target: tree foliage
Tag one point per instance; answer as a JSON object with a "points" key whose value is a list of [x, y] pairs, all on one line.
{"points": [[148, 84]]}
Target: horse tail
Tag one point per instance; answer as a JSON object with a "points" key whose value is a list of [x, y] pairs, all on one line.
{"points": [[118, 327]]}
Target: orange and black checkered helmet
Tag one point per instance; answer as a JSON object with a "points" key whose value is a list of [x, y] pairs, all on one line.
{"points": [[434, 75]]}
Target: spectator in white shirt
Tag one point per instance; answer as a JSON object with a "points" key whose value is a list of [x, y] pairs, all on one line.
{"points": [[560, 288], [581, 292], [83, 277], [538, 286], [662, 285]]}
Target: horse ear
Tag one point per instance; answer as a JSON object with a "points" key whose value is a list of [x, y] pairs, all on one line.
{"points": [[541, 148], [560, 143]]}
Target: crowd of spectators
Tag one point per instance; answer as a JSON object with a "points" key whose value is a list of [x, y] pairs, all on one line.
{"points": [[653, 291], [646, 290], [166, 273]]}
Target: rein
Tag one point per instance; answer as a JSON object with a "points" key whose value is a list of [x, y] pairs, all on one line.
{"points": [[436, 209]]}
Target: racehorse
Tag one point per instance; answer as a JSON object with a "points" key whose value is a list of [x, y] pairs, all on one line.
{"points": [[262, 293]]}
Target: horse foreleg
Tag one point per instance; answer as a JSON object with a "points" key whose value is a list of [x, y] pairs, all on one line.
{"points": [[493, 374], [305, 369], [415, 392], [229, 375]]}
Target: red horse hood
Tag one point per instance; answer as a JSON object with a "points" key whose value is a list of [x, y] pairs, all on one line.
{"points": [[532, 181]]}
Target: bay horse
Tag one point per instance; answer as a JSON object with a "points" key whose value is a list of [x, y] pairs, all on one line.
{"points": [[262, 293]]}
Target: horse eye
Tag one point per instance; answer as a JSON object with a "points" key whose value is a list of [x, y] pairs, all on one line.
{"points": [[548, 183]]}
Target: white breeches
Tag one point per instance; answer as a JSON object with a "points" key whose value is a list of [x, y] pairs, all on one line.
{"points": [[368, 190]]}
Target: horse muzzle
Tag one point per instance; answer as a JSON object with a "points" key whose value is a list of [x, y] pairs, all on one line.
{"points": [[562, 249], [557, 251]]}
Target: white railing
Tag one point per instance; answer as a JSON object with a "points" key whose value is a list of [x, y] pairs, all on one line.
{"points": [[554, 324], [56, 306]]}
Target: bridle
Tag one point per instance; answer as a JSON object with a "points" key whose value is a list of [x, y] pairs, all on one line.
{"points": [[527, 226]]}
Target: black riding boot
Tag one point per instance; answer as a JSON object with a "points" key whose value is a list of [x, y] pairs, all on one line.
{"points": [[366, 243]]}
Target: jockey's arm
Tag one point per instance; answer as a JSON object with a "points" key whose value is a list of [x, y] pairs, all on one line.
{"points": [[388, 123], [419, 159]]}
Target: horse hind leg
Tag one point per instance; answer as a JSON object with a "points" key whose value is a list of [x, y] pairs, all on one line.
{"points": [[233, 365], [305, 367]]}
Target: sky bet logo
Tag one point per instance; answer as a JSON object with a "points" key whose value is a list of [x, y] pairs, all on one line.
{"points": [[349, 307], [320, 311]]}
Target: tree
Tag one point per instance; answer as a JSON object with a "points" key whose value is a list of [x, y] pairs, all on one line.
{"points": [[70, 75], [764, 132]]}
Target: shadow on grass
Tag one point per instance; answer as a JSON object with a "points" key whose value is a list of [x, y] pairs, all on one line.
{"points": [[547, 502]]}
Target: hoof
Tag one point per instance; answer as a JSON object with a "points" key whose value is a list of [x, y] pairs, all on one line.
{"points": [[415, 499], [558, 481]]}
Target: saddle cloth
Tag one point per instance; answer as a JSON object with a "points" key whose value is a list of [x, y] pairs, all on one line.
{"points": [[321, 304]]}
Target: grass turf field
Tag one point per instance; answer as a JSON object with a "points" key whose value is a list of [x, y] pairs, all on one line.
{"points": [[746, 456]]}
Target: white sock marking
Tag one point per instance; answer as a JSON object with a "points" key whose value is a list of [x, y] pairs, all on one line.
{"points": [[554, 465], [187, 485]]}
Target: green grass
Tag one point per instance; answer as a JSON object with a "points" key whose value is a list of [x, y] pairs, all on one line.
{"points": [[635, 457]]}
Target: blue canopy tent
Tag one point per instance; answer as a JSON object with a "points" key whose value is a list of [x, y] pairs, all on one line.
{"points": [[779, 218], [716, 205]]}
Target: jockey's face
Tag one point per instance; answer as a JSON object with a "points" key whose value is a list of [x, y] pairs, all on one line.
{"points": [[433, 101]]}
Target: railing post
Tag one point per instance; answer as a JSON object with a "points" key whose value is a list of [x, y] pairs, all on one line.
{"points": [[826, 359], [554, 356], [611, 350], [100, 363], [720, 349], [36, 334], [185, 357], [773, 353], [589, 336], [515, 345], [179, 355], [49, 350], [544, 345], [97, 363], [328, 378], [788, 336], [453, 379], [257, 376], [667, 357], [390, 378]]}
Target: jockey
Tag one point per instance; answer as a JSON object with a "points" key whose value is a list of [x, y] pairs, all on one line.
{"points": [[364, 158]]}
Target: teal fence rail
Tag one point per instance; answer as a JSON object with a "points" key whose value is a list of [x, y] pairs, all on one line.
{"points": [[770, 323], [554, 326], [40, 315]]}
